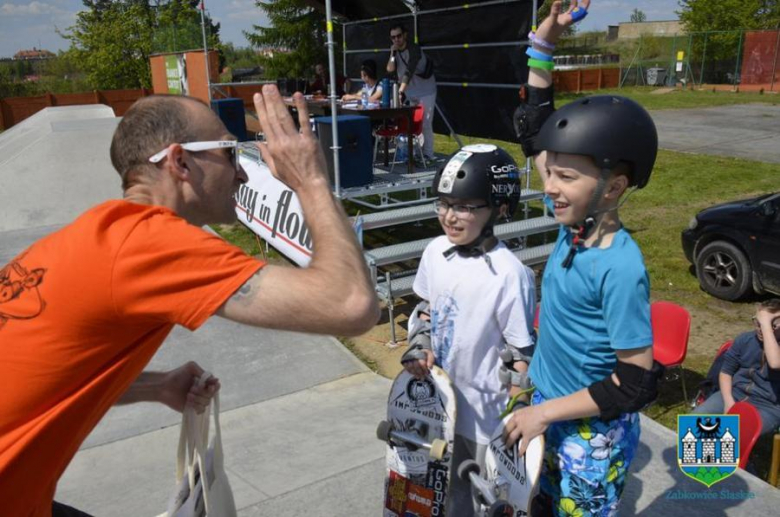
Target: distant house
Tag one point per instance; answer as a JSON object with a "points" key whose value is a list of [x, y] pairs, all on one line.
{"points": [[633, 30], [35, 53], [269, 52]]}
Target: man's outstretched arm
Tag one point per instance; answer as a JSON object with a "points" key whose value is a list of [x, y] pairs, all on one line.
{"points": [[334, 294]]}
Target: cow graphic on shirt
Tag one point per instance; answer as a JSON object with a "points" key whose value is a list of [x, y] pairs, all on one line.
{"points": [[20, 298]]}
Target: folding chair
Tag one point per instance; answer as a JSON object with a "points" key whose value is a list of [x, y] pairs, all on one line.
{"points": [[400, 128], [671, 329], [749, 429]]}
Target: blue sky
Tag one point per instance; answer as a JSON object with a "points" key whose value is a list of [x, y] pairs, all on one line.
{"points": [[24, 25]]}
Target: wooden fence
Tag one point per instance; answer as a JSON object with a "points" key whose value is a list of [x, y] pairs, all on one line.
{"points": [[15, 109]]}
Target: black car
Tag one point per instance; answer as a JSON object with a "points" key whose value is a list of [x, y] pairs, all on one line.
{"points": [[735, 247]]}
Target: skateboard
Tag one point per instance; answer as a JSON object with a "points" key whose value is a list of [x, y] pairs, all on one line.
{"points": [[419, 431], [509, 482]]}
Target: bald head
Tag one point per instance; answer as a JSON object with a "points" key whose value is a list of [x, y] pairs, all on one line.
{"points": [[149, 126]]}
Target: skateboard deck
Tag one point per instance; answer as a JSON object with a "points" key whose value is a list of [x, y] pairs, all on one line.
{"points": [[509, 481], [419, 431]]}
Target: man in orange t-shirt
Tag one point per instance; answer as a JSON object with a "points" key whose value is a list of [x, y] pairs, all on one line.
{"points": [[83, 310]]}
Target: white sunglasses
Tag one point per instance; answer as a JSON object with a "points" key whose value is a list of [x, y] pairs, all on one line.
{"points": [[195, 147]]}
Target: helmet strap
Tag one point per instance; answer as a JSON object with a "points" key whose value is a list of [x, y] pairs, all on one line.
{"points": [[589, 223], [479, 247]]}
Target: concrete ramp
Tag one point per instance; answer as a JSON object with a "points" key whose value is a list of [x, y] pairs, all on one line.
{"points": [[56, 164]]}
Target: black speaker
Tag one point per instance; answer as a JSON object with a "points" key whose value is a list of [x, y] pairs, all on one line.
{"points": [[355, 153], [231, 112]]}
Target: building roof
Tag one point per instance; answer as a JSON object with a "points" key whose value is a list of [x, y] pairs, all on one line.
{"points": [[35, 53]]}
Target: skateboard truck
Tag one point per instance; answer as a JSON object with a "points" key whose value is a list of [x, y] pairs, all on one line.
{"points": [[469, 471], [412, 439]]}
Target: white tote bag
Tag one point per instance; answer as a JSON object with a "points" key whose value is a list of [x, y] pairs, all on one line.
{"points": [[193, 498]]}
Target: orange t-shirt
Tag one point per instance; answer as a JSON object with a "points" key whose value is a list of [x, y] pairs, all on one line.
{"points": [[82, 312]]}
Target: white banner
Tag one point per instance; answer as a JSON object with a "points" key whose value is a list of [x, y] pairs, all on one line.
{"points": [[272, 210]]}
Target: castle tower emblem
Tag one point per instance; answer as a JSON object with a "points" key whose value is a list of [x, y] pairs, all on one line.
{"points": [[708, 446]]}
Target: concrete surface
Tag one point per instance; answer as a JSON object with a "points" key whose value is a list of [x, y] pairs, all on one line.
{"points": [[749, 131], [55, 164]]}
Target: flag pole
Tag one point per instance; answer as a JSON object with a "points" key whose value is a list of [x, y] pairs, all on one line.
{"points": [[205, 47]]}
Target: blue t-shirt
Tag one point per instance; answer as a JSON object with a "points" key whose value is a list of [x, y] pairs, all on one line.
{"points": [[600, 304]]}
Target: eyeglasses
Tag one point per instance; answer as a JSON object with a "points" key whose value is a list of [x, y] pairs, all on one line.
{"points": [[397, 36], [775, 323], [195, 147], [461, 211]]}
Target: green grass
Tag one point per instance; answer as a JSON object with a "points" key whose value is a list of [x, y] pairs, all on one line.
{"points": [[677, 99]]}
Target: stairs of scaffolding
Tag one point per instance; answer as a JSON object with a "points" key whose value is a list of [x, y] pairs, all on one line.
{"points": [[399, 284]]}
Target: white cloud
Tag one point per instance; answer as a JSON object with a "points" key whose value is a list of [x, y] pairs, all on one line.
{"points": [[30, 9]]}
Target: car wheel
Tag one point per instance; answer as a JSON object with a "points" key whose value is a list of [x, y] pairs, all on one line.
{"points": [[724, 271]]}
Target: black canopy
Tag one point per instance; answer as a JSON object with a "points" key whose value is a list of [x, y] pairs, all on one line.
{"points": [[482, 111]]}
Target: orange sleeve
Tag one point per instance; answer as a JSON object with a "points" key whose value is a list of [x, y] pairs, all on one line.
{"points": [[168, 270]]}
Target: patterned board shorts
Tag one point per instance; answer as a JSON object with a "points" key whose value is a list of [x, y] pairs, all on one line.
{"points": [[586, 461]]}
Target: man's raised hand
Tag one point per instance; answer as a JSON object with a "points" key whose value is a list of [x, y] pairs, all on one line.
{"points": [[294, 157]]}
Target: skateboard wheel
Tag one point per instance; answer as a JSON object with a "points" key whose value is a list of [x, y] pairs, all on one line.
{"points": [[383, 430], [501, 509], [438, 449], [466, 468]]}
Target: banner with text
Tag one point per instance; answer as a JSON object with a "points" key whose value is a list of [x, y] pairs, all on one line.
{"points": [[272, 210]]}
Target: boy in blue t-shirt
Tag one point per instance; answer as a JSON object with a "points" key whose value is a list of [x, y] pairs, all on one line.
{"points": [[593, 365]]}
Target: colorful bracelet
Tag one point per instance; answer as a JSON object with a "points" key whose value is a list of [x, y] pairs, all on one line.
{"points": [[544, 65], [578, 14], [539, 41], [535, 54]]}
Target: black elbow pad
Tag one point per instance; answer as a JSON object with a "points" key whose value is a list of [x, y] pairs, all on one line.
{"points": [[536, 107], [638, 389]]}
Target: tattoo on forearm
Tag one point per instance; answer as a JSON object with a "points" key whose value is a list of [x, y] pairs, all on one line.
{"points": [[246, 292]]}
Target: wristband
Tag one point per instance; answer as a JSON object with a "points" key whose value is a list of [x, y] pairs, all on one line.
{"points": [[535, 54], [539, 41], [544, 65], [578, 14]]}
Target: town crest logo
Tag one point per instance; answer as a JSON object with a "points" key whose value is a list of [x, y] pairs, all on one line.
{"points": [[708, 446]]}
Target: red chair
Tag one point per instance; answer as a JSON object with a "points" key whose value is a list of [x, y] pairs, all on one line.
{"points": [[536, 316], [400, 128], [671, 329], [725, 346], [749, 429]]}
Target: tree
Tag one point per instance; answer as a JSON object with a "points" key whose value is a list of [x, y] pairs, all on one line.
{"points": [[113, 39], [638, 16], [297, 30], [729, 15], [113, 43]]}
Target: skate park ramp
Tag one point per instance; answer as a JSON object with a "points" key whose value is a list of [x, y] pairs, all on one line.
{"points": [[57, 161], [299, 412]]}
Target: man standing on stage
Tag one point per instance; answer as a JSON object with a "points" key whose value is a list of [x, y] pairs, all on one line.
{"points": [[416, 79]]}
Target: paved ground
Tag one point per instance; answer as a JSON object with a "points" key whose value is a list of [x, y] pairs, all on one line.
{"points": [[299, 411], [750, 131]]}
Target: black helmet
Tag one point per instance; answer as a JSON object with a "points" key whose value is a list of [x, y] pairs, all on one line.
{"points": [[608, 128], [480, 171]]}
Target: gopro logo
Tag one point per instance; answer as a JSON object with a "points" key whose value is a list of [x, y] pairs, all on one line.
{"points": [[503, 168]]}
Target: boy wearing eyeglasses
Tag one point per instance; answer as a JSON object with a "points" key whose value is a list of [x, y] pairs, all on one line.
{"points": [[478, 300], [751, 370]]}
